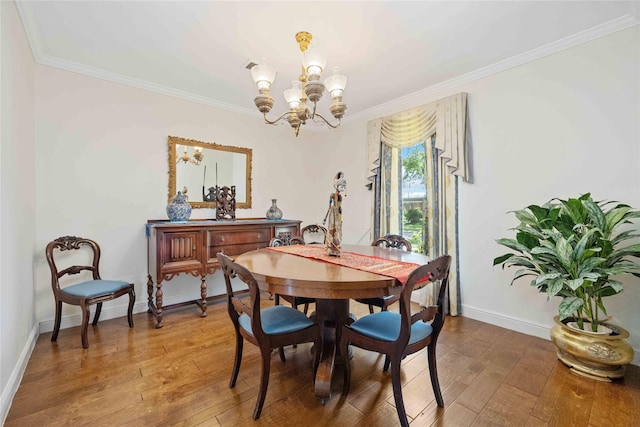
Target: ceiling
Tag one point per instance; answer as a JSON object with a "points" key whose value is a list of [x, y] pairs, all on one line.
{"points": [[388, 49]]}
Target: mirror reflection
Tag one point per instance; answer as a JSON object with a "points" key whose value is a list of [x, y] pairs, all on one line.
{"points": [[200, 166]]}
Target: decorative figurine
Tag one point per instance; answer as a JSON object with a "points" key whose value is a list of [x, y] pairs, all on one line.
{"points": [[226, 202], [334, 215], [210, 195], [225, 199]]}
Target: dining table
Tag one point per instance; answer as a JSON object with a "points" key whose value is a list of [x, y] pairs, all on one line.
{"points": [[333, 283]]}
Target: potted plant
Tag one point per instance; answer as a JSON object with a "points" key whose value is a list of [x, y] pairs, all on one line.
{"points": [[571, 248]]}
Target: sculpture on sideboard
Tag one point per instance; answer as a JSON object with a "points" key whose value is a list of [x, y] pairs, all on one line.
{"points": [[225, 200]]}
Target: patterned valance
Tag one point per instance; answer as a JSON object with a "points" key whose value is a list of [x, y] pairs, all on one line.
{"points": [[446, 118]]}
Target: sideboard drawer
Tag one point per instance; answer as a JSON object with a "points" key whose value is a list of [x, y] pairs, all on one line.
{"points": [[234, 250], [225, 238], [232, 242]]}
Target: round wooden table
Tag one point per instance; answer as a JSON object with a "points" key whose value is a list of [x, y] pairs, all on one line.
{"points": [[331, 285]]}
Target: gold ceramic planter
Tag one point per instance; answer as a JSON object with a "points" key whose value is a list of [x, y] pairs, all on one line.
{"points": [[602, 357]]}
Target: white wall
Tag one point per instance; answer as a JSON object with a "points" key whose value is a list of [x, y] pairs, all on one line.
{"points": [[17, 205], [102, 169], [560, 126]]}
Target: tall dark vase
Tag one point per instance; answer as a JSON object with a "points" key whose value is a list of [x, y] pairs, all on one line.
{"points": [[274, 212]]}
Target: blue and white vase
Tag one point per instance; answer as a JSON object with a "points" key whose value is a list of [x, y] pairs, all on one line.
{"points": [[179, 210]]}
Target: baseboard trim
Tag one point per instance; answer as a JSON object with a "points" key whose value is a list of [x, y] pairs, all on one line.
{"points": [[16, 376], [107, 313], [117, 311], [518, 325]]}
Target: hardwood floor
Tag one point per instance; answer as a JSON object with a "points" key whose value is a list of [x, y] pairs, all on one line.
{"points": [[179, 375]]}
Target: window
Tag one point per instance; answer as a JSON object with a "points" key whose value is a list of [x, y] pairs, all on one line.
{"points": [[401, 194], [414, 195]]}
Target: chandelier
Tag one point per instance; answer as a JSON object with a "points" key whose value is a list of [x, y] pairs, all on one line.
{"points": [[308, 87], [197, 156]]}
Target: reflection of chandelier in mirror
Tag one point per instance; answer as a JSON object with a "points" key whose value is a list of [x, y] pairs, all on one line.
{"points": [[307, 87], [197, 156]]}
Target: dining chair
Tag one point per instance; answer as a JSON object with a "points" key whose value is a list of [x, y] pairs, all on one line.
{"points": [[268, 328], [83, 293], [392, 241], [313, 234], [286, 239], [397, 335]]}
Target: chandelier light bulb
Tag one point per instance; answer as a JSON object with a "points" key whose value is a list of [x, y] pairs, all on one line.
{"points": [[293, 95], [336, 82], [263, 75], [313, 61]]}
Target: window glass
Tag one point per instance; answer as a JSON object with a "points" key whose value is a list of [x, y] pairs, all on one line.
{"points": [[414, 195]]}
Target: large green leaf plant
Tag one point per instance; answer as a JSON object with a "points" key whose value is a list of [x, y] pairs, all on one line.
{"points": [[572, 247]]}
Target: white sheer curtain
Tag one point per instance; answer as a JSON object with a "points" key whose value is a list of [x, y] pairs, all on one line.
{"points": [[446, 160]]}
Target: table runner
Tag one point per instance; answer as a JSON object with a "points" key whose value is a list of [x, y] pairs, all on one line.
{"points": [[385, 267]]}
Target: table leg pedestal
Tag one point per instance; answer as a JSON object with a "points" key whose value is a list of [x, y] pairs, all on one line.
{"points": [[330, 315]]}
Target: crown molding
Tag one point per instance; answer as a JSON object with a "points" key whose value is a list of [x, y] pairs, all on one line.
{"points": [[141, 84], [25, 11], [421, 97], [429, 94]]}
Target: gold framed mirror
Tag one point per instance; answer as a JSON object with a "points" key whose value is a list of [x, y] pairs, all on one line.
{"points": [[197, 166]]}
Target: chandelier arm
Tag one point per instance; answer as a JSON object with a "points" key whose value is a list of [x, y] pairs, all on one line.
{"points": [[276, 120], [326, 121]]}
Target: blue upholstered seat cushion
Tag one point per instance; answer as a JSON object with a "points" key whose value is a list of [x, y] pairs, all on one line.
{"points": [[93, 288], [385, 326], [278, 319]]}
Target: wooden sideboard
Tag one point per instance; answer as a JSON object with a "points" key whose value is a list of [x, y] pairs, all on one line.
{"points": [[191, 248]]}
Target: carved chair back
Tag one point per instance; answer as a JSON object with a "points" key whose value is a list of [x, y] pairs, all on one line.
{"points": [[393, 241], [313, 234], [286, 239]]}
